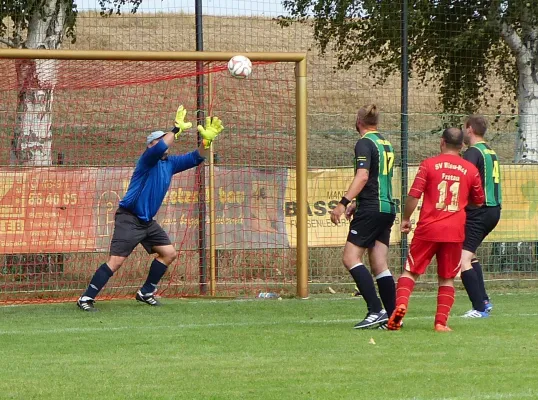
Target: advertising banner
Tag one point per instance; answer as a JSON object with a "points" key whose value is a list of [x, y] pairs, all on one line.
{"points": [[60, 209]]}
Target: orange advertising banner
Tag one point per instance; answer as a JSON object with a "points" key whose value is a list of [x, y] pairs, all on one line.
{"points": [[47, 210], [60, 209]]}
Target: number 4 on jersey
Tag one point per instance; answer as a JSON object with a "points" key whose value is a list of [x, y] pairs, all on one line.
{"points": [[495, 173]]}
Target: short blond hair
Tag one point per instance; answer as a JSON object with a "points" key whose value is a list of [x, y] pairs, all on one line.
{"points": [[368, 115]]}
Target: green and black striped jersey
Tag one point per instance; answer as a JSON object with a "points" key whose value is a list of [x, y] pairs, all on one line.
{"points": [[374, 153], [487, 163]]}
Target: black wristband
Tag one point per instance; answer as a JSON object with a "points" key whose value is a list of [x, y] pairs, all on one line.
{"points": [[175, 129], [344, 201]]}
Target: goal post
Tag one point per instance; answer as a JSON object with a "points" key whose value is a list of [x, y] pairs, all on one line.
{"points": [[210, 58]]}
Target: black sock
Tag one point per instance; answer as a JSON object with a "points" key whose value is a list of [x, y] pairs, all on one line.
{"points": [[387, 292], [156, 272], [480, 275], [99, 280], [365, 283], [470, 281]]}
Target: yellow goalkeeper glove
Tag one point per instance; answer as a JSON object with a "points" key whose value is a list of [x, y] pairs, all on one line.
{"points": [[179, 123], [213, 126]]}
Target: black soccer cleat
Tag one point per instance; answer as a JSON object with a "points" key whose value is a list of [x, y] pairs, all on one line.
{"points": [[86, 304], [372, 320], [148, 299]]}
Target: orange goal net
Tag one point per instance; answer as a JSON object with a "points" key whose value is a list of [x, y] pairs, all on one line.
{"points": [[71, 132]]}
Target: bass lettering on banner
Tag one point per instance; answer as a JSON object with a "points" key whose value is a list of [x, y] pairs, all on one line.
{"points": [[519, 216]]}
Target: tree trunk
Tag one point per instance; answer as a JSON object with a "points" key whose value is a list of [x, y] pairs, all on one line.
{"points": [[32, 141], [525, 50], [527, 137], [512, 255]]}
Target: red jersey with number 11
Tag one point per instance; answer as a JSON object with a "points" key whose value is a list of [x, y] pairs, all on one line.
{"points": [[448, 182]]}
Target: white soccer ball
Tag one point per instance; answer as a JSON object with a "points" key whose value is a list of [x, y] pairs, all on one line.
{"points": [[240, 67]]}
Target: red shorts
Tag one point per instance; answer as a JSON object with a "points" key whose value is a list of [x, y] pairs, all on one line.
{"points": [[448, 255]]}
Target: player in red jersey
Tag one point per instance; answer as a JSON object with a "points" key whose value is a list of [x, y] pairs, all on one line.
{"points": [[448, 183]]}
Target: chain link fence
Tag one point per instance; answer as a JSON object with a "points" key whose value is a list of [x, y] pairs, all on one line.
{"points": [[341, 80]]}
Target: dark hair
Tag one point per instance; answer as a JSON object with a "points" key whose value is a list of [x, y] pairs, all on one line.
{"points": [[368, 115], [478, 123], [453, 138]]}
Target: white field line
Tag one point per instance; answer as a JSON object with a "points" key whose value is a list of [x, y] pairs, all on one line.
{"points": [[208, 325], [208, 300], [484, 396]]}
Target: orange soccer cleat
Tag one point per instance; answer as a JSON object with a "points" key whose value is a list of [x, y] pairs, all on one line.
{"points": [[395, 320], [442, 328]]}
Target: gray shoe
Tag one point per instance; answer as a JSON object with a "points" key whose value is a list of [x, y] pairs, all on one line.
{"points": [[148, 299], [86, 304], [372, 320]]}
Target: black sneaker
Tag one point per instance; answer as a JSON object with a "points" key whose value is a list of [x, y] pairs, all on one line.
{"points": [[147, 298], [86, 304], [372, 319]]}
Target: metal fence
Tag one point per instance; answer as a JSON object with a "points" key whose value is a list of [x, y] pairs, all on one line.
{"points": [[415, 106]]}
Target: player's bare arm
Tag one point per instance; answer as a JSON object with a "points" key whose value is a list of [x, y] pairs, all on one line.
{"points": [[356, 186], [413, 197], [411, 204], [351, 208], [477, 196]]}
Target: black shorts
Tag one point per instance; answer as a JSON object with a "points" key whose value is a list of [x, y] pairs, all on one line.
{"points": [[480, 222], [129, 231], [367, 227]]}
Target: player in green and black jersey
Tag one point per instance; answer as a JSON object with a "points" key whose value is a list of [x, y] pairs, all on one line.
{"points": [[375, 154], [369, 200], [480, 221]]}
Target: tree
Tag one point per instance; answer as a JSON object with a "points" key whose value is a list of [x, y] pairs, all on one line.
{"points": [[459, 44], [40, 24]]}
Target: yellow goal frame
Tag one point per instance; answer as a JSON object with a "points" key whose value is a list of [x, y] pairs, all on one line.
{"points": [[301, 124]]}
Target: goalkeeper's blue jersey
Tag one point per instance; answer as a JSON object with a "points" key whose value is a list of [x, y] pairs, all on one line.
{"points": [[151, 179]]}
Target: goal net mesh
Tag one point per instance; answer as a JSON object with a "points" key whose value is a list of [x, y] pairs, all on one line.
{"points": [[71, 133]]}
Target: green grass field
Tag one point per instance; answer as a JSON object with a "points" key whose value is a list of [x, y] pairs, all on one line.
{"points": [[267, 349]]}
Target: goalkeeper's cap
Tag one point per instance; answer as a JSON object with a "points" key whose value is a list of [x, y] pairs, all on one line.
{"points": [[154, 135]]}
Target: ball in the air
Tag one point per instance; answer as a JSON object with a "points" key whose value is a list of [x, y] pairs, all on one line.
{"points": [[240, 67]]}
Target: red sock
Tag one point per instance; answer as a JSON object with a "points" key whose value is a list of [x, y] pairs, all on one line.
{"points": [[403, 291], [445, 300]]}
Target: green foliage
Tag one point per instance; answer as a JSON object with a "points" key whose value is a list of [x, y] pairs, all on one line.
{"points": [[457, 45], [114, 6], [21, 12]]}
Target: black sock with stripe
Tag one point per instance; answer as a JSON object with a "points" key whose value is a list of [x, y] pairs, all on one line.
{"points": [[99, 280], [365, 283], [470, 281], [480, 275]]}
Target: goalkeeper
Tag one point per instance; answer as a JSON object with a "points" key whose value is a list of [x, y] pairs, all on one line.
{"points": [[134, 223]]}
